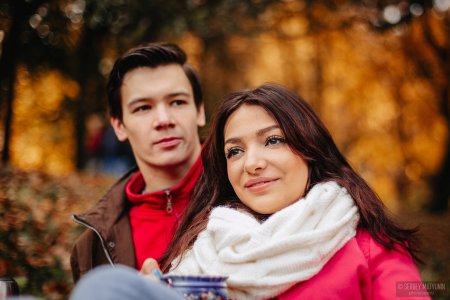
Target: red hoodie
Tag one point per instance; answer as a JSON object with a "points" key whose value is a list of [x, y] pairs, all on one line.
{"points": [[154, 216]]}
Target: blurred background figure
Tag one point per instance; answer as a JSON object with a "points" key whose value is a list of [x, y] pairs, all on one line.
{"points": [[95, 129], [116, 156], [104, 152]]}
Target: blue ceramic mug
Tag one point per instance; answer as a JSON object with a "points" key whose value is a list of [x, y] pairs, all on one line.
{"points": [[198, 287]]}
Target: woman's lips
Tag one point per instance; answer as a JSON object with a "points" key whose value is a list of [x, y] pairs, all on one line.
{"points": [[259, 184]]}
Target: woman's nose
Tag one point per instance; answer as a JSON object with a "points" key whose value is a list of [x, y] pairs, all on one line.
{"points": [[254, 161]]}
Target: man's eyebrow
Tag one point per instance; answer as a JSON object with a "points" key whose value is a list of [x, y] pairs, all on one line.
{"points": [[176, 94], [171, 95], [137, 100], [260, 132]]}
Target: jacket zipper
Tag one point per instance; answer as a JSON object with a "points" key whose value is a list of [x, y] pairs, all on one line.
{"points": [[81, 222], [169, 207]]}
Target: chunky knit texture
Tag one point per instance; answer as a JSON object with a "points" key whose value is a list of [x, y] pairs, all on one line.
{"points": [[265, 259]]}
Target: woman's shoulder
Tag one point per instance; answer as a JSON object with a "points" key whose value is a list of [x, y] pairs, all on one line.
{"points": [[395, 264], [363, 239], [363, 268], [388, 268], [371, 248]]}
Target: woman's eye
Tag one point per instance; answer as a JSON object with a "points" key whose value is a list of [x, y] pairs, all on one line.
{"points": [[273, 140], [232, 152]]}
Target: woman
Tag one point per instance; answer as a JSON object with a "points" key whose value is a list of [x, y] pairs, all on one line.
{"points": [[279, 210], [269, 133]]}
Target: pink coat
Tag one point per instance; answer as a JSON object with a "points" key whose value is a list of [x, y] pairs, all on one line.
{"points": [[362, 269]]}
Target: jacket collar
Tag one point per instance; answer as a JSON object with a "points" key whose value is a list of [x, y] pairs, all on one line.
{"points": [[110, 207]]}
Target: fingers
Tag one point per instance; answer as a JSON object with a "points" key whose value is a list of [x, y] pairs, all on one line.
{"points": [[150, 269], [148, 266]]}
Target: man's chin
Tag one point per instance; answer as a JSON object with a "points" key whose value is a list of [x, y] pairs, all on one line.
{"points": [[171, 161]]}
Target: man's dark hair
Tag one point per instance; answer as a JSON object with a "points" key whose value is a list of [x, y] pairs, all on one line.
{"points": [[149, 55]]}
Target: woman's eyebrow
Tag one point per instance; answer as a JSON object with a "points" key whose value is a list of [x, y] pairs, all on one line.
{"points": [[232, 141], [260, 132], [267, 129]]}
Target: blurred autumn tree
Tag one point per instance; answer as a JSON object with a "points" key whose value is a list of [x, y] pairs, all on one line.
{"points": [[81, 39], [84, 37], [423, 28], [377, 72]]}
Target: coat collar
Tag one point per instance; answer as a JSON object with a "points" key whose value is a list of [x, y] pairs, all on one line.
{"points": [[110, 207]]}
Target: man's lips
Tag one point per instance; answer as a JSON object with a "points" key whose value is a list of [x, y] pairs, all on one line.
{"points": [[168, 142]]}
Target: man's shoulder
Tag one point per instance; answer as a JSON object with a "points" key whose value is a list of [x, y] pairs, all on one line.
{"points": [[107, 208], [121, 183], [86, 237], [116, 190], [127, 175]]}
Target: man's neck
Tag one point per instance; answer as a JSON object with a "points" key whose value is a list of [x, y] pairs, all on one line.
{"points": [[157, 179]]}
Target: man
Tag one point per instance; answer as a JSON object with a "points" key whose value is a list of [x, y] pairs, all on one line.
{"points": [[155, 102]]}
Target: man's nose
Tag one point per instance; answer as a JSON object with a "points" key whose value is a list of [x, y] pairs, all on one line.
{"points": [[163, 118]]}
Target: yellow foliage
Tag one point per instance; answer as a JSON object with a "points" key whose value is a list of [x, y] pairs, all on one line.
{"points": [[382, 113], [193, 46], [43, 132]]}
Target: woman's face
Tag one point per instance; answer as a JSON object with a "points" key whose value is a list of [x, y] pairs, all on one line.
{"points": [[264, 172]]}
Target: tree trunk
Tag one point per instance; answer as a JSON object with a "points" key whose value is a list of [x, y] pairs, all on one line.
{"points": [[8, 68], [86, 73], [441, 181]]}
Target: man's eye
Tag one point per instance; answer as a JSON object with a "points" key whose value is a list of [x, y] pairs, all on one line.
{"points": [[232, 152], [273, 140], [178, 102], [142, 108]]}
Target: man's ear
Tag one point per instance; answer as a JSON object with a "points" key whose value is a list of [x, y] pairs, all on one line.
{"points": [[119, 129], [201, 119]]}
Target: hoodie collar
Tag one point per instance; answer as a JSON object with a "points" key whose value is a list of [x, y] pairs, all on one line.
{"points": [[180, 191]]}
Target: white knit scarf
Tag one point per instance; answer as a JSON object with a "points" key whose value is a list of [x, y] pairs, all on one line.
{"points": [[265, 259]]}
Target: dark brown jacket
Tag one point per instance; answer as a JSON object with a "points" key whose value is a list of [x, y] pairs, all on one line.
{"points": [[107, 239]]}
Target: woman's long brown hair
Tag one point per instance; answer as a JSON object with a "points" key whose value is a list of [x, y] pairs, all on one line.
{"points": [[306, 135]]}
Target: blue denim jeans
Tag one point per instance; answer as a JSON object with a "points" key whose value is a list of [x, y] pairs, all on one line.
{"points": [[121, 282]]}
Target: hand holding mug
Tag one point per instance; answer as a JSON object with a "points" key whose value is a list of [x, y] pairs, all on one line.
{"points": [[150, 269]]}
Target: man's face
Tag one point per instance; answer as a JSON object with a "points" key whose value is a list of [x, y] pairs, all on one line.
{"points": [[160, 118]]}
